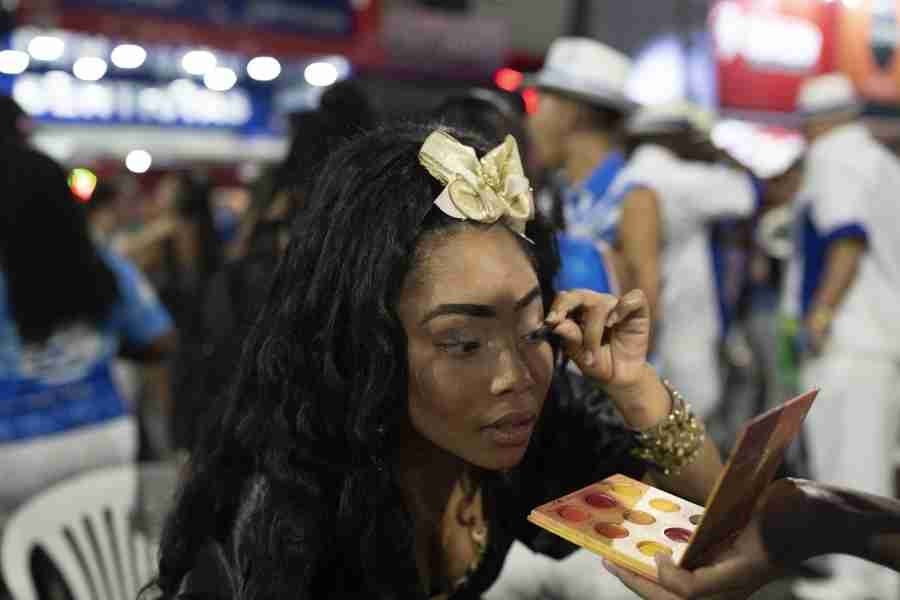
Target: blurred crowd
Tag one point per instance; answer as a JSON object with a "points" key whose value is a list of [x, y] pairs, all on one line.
{"points": [[121, 319]]}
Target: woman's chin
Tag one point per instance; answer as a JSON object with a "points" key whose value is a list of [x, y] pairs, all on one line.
{"points": [[501, 459]]}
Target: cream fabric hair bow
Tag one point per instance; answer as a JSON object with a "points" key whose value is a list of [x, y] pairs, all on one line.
{"points": [[486, 191]]}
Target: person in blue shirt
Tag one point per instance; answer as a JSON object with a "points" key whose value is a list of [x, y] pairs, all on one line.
{"points": [[67, 309], [578, 128], [587, 265]]}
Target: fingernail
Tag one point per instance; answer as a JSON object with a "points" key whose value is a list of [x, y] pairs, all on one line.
{"points": [[612, 320], [589, 358], [552, 317]]}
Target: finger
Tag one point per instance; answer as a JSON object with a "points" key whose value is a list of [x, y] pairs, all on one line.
{"points": [[570, 301], [633, 305], [589, 310], [573, 339], [728, 575], [639, 585], [732, 574], [677, 581], [596, 321], [563, 304]]}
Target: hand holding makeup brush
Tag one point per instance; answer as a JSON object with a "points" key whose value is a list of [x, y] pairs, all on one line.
{"points": [[605, 335], [608, 338]]}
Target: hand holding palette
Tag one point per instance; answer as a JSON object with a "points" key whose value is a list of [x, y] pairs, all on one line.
{"points": [[628, 522]]}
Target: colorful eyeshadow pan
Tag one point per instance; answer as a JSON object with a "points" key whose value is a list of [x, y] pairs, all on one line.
{"points": [[677, 534], [664, 505], [640, 517], [570, 513], [611, 531], [601, 501], [653, 548], [626, 489]]}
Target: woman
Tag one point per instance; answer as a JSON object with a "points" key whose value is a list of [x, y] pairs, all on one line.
{"points": [[396, 414], [67, 309]]}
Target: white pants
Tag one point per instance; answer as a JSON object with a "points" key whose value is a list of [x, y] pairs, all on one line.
{"points": [[527, 575], [29, 467], [852, 435], [691, 364]]}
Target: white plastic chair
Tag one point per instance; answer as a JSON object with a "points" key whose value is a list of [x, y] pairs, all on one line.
{"points": [[86, 526]]}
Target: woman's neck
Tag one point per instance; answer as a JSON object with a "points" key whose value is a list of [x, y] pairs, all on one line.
{"points": [[426, 475]]}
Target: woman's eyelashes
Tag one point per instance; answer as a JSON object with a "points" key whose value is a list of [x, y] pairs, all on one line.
{"points": [[459, 347], [466, 346]]}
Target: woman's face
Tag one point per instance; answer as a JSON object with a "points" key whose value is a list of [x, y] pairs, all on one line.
{"points": [[477, 383], [549, 126]]}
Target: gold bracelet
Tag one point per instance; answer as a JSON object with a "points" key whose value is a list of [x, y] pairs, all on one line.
{"points": [[676, 441]]}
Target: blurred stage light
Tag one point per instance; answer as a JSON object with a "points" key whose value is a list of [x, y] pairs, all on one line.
{"points": [[82, 182], [89, 68], [128, 56], [138, 161], [57, 78], [264, 68], [320, 74], [46, 47], [530, 96], [199, 62], [13, 62], [220, 79], [508, 79]]}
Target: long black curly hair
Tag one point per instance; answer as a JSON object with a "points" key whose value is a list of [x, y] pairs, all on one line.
{"points": [[292, 481]]}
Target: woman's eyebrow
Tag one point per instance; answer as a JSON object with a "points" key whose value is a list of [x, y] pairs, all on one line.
{"points": [[478, 310], [471, 310]]}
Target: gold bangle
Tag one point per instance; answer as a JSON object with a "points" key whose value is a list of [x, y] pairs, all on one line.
{"points": [[676, 441]]}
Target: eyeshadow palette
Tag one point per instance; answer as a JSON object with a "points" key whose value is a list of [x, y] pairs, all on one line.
{"points": [[623, 520], [628, 522]]}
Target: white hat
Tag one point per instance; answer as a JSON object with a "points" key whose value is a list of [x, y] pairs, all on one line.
{"points": [[672, 117], [766, 151], [777, 156], [827, 94], [588, 70]]}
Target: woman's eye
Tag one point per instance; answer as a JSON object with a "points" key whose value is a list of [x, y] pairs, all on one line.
{"points": [[461, 348]]}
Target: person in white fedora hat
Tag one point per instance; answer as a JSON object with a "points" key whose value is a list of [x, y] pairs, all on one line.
{"points": [[577, 128], [843, 286], [672, 202]]}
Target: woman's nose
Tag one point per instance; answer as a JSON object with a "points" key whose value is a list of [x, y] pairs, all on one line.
{"points": [[513, 374]]}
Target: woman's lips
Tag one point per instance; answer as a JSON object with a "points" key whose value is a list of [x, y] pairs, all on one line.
{"points": [[511, 430]]}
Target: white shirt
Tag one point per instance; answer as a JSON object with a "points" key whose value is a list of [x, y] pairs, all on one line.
{"points": [[850, 189], [691, 196]]}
